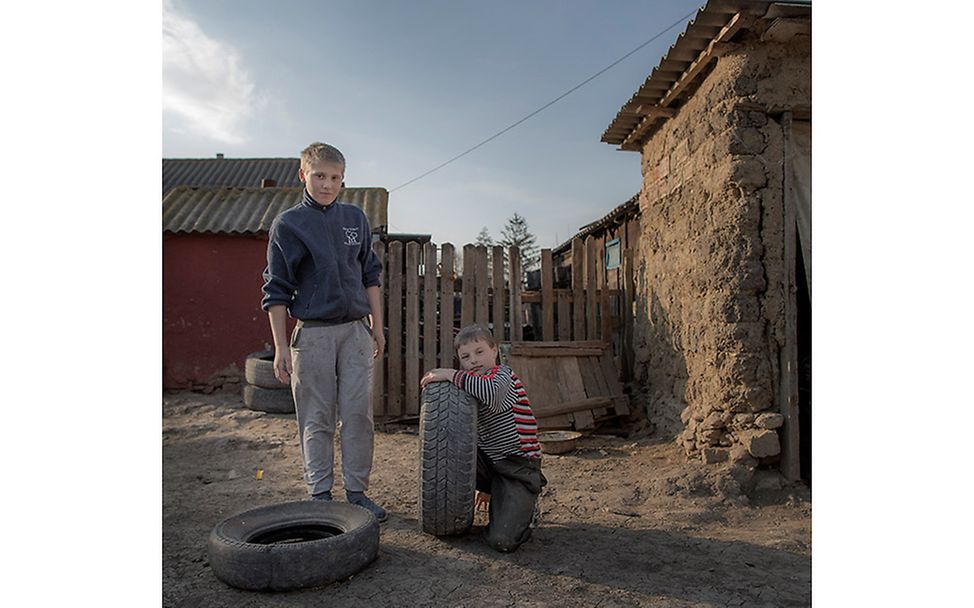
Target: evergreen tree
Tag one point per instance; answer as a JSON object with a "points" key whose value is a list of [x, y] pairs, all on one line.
{"points": [[516, 234], [484, 238]]}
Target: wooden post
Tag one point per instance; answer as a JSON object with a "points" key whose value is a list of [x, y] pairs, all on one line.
{"points": [[411, 384], [481, 312], [564, 316], [578, 288], [446, 305], [429, 307], [499, 297], [394, 320], [379, 365], [468, 281], [517, 315], [788, 356], [627, 299], [591, 287], [547, 296]]}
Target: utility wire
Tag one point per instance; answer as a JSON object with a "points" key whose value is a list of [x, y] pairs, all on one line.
{"points": [[550, 103]]}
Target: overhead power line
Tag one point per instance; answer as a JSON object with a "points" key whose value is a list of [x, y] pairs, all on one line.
{"points": [[550, 103]]}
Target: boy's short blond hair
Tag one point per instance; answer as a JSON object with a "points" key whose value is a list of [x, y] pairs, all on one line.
{"points": [[319, 152], [472, 333]]}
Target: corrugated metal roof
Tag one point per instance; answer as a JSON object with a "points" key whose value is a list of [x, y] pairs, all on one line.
{"points": [[251, 210], [239, 172], [627, 207], [663, 90]]}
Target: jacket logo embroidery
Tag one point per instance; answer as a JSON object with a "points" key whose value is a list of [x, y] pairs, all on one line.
{"points": [[351, 236]]}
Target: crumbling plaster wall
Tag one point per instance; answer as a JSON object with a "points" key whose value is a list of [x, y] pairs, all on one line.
{"points": [[710, 264]]}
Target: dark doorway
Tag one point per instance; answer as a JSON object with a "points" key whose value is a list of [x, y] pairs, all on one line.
{"points": [[804, 302]]}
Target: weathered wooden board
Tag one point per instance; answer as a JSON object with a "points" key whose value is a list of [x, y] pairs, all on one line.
{"points": [[411, 381], [547, 296], [578, 288], [538, 378], [394, 320], [573, 390], [481, 282], [517, 317], [446, 305], [570, 384], [498, 299], [467, 287], [564, 316], [429, 306], [379, 369]]}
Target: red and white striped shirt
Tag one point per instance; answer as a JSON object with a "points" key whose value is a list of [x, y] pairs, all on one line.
{"points": [[506, 425]]}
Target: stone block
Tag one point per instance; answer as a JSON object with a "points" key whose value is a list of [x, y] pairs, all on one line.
{"points": [[769, 420], [747, 141], [712, 422], [711, 437], [739, 406], [748, 172], [759, 398], [740, 456], [715, 455], [742, 421], [680, 154], [751, 278], [762, 443]]}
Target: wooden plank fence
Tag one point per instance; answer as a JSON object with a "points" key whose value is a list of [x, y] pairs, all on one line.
{"points": [[425, 303]]}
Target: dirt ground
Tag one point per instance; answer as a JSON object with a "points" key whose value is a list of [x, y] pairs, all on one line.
{"points": [[625, 522]]}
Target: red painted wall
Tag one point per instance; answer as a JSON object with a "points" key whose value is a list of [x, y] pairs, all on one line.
{"points": [[211, 314]]}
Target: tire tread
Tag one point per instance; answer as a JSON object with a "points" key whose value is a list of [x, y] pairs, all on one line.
{"points": [[448, 459]]}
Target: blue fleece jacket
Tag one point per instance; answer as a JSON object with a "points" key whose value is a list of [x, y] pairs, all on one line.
{"points": [[320, 261]]}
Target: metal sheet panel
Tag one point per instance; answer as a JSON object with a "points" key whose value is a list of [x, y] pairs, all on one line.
{"points": [[238, 172], [216, 210]]}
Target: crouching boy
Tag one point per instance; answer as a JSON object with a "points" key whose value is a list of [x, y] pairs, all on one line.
{"points": [[509, 477]]}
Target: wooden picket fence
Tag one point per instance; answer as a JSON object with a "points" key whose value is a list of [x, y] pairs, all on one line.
{"points": [[425, 303]]}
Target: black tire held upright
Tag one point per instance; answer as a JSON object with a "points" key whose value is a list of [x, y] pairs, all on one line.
{"points": [[293, 545], [448, 459]]}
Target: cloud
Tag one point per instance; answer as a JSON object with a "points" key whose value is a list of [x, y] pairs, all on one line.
{"points": [[205, 88]]}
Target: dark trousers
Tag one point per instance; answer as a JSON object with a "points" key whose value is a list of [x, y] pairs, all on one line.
{"points": [[514, 484]]}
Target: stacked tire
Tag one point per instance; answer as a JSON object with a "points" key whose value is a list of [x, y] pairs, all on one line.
{"points": [[261, 390]]}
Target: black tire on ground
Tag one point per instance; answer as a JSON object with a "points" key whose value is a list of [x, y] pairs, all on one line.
{"points": [[293, 545], [448, 459], [273, 400], [259, 370]]}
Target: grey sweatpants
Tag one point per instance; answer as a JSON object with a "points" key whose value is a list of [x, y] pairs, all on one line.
{"points": [[332, 381]]}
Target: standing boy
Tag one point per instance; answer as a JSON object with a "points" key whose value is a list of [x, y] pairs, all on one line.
{"points": [[509, 477], [322, 271]]}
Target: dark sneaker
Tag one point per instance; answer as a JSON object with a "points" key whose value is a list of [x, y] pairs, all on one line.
{"points": [[326, 496], [360, 499]]}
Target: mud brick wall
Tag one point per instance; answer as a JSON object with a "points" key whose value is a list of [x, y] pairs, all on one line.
{"points": [[710, 261]]}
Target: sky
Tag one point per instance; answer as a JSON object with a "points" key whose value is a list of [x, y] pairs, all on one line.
{"points": [[402, 87]]}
